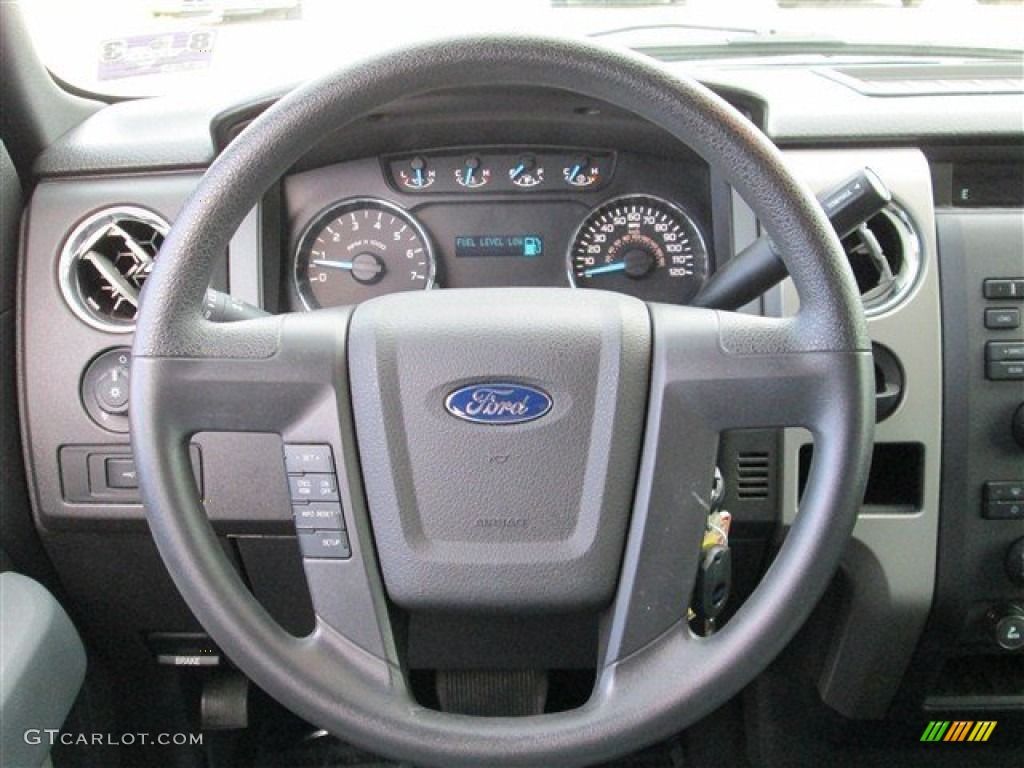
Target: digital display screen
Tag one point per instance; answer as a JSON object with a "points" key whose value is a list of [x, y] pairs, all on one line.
{"points": [[498, 246], [988, 185]]}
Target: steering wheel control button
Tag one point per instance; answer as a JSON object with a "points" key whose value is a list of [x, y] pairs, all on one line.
{"points": [[121, 473], [332, 545], [1005, 490], [1000, 370], [321, 517], [1004, 500], [316, 508], [1004, 510], [1004, 350], [105, 387], [314, 487], [1003, 318], [308, 458], [1004, 288]]}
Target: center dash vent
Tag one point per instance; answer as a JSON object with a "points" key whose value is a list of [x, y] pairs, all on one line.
{"points": [[885, 255], [105, 262], [753, 475]]}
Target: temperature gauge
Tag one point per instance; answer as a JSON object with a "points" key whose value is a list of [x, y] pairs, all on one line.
{"points": [[472, 174], [582, 171], [526, 173], [417, 174]]}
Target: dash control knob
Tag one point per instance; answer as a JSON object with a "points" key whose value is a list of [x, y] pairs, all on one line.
{"points": [[1009, 628], [111, 389], [105, 389]]}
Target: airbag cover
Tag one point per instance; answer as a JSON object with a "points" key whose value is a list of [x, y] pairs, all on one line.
{"points": [[499, 436]]}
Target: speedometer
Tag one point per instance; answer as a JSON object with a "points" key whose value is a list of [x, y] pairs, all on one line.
{"points": [[360, 248], [640, 245]]}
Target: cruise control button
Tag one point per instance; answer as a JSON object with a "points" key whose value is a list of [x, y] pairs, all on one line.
{"points": [[324, 544], [1004, 370], [1004, 510], [314, 487], [1004, 491], [308, 458], [319, 516], [1004, 350], [1000, 319]]}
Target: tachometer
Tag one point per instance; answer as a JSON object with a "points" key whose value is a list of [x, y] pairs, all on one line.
{"points": [[640, 245], [360, 248]]}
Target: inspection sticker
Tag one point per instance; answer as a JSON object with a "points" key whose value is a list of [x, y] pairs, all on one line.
{"points": [[156, 54]]}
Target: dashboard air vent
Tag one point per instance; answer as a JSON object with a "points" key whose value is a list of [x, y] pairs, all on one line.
{"points": [[885, 255], [753, 473], [105, 261]]}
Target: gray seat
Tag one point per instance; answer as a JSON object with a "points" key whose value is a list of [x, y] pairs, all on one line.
{"points": [[42, 666]]}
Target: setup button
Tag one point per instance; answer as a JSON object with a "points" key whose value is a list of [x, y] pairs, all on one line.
{"points": [[331, 545]]}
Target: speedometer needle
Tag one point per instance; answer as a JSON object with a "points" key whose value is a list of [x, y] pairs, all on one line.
{"points": [[619, 266], [336, 264]]}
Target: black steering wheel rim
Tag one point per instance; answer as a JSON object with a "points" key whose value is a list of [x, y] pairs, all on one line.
{"points": [[337, 684]]}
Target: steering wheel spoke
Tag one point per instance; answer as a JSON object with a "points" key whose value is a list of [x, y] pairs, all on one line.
{"points": [[223, 388], [294, 392], [711, 372], [735, 371]]}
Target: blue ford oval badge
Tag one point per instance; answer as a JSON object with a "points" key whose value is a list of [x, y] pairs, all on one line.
{"points": [[498, 403]]}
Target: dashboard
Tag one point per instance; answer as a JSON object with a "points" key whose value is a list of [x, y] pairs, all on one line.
{"points": [[447, 191]]}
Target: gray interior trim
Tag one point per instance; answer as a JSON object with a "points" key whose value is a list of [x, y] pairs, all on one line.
{"points": [[41, 669], [891, 563], [244, 253]]}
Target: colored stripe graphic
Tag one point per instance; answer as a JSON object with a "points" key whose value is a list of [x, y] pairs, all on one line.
{"points": [[935, 731], [982, 730], [958, 730]]}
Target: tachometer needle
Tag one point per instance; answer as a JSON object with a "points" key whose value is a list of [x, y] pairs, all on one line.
{"points": [[335, 264], [619, 266]]}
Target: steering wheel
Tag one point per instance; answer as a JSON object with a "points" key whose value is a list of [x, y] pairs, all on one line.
{"points": [[599, 504]]}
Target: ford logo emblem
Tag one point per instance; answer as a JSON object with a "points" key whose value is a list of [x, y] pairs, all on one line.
{"points": [[498, 403]]}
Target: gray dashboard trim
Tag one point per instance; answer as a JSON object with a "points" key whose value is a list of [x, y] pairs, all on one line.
{"points": [[803, 107], [890, 564]]}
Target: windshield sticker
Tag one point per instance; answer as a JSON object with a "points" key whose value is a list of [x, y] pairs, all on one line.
{"points": [[156, 54]]}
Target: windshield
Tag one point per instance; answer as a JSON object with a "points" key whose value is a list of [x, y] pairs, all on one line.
{"points": [[151, 47]]}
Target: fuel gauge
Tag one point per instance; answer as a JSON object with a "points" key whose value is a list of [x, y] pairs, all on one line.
{"points": [[526, 172]]}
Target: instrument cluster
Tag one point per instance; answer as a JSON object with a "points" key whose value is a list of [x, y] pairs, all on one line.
{"points": [[508, 216]]}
